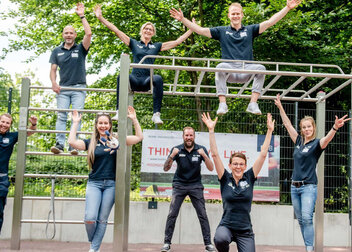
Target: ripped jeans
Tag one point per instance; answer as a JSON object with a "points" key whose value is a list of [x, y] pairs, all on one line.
{"points": [[100, 197]]}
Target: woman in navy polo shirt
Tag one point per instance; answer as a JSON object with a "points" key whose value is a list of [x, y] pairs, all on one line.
{"points": [[100, 192], [140, 78], [236, 192], [304, 179]]}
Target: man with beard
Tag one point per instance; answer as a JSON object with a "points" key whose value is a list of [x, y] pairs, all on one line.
{"points": [[187, 181], [70, 58], [7, 142]]}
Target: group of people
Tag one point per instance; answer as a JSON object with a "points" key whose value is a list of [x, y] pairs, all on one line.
{"points": [[236, 182]]}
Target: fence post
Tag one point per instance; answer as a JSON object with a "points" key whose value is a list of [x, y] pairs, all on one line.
{"points": [[9, 102], [20, 166], [319, 207], [120, 234]]}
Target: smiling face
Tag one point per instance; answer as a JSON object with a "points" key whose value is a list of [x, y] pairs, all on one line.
{"points": [[69, 34], [307, 126], [235, 15], [103, 123], [5, 124], [188, 137], [237, 166], [147, 31]]}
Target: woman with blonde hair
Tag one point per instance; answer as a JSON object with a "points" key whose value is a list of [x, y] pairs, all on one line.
{"points": [[140, 78], [100, 192], [306, 154]]}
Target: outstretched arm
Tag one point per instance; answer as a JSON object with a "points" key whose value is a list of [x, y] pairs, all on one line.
{"points": [[278, 16], [285, 120], [219, 166], [72, 139], [178, 14], [121, 35], [171, 44], [131, 140], [258, 164], [339, 122], [87, 31]]}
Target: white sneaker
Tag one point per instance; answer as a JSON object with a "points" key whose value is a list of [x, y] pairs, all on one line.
{"points": [[116, 117], [222, 110], [253, 108], [156, 118]]}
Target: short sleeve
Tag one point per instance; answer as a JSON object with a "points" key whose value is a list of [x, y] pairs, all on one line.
{"points": [[215, 32], [251, 176], [132, 43], [84, 51], [255, 29], [86, 142], [53, 59], [158, 46]]}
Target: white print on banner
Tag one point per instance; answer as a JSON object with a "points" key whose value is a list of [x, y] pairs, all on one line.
{"points": [[158, 143]]}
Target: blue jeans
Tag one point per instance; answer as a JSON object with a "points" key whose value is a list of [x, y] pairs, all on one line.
{"points": [[100, 197], [303, 202], [64, 100]]}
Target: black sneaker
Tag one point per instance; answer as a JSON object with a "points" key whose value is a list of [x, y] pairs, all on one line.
{"points": [[57, 149], [209, 248], [166, 248]]}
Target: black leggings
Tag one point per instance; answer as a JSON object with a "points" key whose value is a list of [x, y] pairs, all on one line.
{"points": [[142, 83], [224, 236]]}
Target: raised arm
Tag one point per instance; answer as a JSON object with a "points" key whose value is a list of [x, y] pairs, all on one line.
{"points": [[258, 164], [72, 140], [131, 140], [178, 15], [339, 122], [171, 44], [121, 35], [170, 159], [285, 120], [219, 166], [278, 16], [87, 31], [33, 120]]}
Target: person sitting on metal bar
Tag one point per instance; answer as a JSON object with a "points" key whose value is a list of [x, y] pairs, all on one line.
{"points": [[306, 154], [100, 192], [70, 58], [140, 78], [236, 41], [236, 191], [188, 181], [7, 142]]}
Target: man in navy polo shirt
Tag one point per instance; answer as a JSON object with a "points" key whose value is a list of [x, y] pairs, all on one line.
{"points": [[236, 42], [188, 181], [7, 142], [70, 58]]}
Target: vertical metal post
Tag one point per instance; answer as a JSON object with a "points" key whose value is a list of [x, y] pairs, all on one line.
{"points": [[20, 166], [128, 180], [319, 207], [121, 159], [296, 116], [9, 102]]}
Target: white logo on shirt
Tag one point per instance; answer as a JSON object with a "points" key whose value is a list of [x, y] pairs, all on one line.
{"points": [[182, 155], [230, 33], [74, 55], [244, 184], [60, 54], [5, 140], [140, 46], [230, 185], [151, 46], [195, 159], [243, 34]]}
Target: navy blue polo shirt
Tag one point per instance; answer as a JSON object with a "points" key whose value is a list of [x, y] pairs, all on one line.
{"points": [[305, 159], [7, 142], [104, 166], [139, 50], [188, 166], [237, 201], [236, 44], [72, 64]]}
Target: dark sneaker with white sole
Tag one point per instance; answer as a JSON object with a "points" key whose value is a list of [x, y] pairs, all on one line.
{"points": [[166, 248]]}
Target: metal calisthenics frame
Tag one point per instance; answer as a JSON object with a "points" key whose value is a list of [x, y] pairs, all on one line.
{"points": [[121, 214]]}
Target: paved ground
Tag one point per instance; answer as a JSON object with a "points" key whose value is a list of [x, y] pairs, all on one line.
{"points": [[48, 246]]}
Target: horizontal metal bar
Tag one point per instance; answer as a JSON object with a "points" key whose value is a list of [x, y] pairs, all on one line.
{"points": [[61, 176], [226, 70], [241, 61], [56, 198], [71, 110], [346, 83], [77, 89], [58, 131], [52, 154], [56, 221]]}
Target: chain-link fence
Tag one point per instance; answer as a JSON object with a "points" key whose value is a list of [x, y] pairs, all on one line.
{"points": [[178, 112]]}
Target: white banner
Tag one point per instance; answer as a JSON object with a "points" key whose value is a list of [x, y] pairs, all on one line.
{"points": [[158, 143]]}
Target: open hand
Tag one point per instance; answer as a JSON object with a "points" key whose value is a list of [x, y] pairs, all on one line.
{"points": [[209, 122], [176, 14]]}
